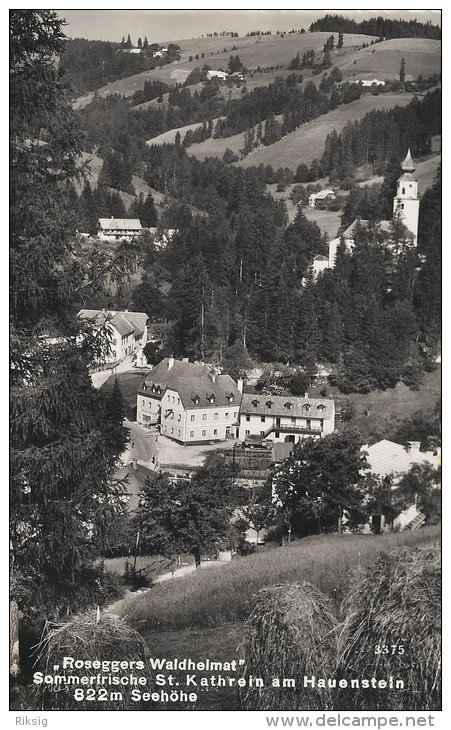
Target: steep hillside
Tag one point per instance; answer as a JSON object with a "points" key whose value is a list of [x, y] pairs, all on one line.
{"points": [[169, 137], [269, 51], [307, 142], [382, 60], [95, 166]]}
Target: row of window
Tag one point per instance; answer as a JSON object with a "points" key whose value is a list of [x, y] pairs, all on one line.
{"points": [[191, 433], [215, 416]]}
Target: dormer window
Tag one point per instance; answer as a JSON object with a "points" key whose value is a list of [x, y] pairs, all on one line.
{"points": [[320, 407], [230, 397], [158, 390], [306, 407], [269, 403], [144, 386], [288, 405], [255, 403], [196, 400], [211, 399]]}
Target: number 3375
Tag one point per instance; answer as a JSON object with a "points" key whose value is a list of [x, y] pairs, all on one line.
{"points": [[389, 649]]}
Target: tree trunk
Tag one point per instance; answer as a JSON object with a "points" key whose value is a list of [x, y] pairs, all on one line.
{"points": [[256, 544], [14, 658], [339, 523], [289, 533], [196, 553]]}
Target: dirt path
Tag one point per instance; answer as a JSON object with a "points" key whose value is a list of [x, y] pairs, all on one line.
{"points": [[119, 607]]}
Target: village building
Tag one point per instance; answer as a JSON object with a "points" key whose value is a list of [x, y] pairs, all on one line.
{"points": [[118, 229], [189, 403], [127, 331], [371, 82], [387, 458], [327, 194], [130, 51], [161, 237], [284, 418], [212, 74]]}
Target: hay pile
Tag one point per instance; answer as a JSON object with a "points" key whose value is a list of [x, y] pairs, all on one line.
{"points": [[291, 632], [396, 601], [90, 636]]}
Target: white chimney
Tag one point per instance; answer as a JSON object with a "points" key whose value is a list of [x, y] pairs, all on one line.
{"points": [[306, 395], [413, 447], [240, 384], [185, 359], [213, 377], [170, 362]]}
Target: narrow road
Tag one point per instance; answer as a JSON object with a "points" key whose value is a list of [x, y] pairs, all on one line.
{"points": [[142, 444], [119, 607], [124, 366]]}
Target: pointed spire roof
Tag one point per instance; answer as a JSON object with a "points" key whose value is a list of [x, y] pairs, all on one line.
{"points": [[408, 165]]}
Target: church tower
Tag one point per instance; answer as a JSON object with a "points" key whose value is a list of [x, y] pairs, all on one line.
{"points": [[406, 201]]}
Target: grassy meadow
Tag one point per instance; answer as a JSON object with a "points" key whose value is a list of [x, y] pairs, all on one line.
{"points": [[306, 143], [268, 51], [221, 595]]}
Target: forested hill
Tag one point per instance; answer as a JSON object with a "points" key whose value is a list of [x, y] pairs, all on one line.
{"points": [[92, 64], [381, 27]]}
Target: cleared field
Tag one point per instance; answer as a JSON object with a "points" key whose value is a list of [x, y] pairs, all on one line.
{"points": [[154, 104], [382, 61], [307, 142], [221, 595], [327, 220], [266, 52], [216, 147], [169, 137]]}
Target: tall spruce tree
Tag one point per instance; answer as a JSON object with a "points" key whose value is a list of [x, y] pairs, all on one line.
{"points": [[63, 499]]}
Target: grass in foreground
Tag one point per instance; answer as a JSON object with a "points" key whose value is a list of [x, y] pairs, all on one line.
{"points": [[220, 595]]}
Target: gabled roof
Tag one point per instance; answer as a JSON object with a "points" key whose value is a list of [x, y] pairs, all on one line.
{"points": [[190, 380], [387, 457], [203, 387], [113, 224], [316, 407], [123, 326], [321, 258], [124, 322], [137, 319], [166, 376], [350, 230], [322, 194]]}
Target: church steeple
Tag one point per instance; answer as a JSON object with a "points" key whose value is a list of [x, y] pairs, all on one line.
{"points": [[406, 202], [408, 165]]}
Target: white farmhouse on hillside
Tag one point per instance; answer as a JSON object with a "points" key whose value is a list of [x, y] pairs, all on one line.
{"points": [[327, 194], [212, 74], [118, 229]]}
